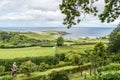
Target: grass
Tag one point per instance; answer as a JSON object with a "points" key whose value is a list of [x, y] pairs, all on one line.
{"points": [[26, 52], [40, 36], [39, 51], [79, 48]]}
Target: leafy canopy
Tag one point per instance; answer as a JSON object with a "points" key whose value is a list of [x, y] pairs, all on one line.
{"points": [[60, 41], [74, 9], [114, 40]]}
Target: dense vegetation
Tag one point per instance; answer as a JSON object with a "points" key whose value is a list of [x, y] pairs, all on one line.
{"points": [[15, 39], [88, 59], [114, 39]]}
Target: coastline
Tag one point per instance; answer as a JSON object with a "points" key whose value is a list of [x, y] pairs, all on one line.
{"points": [[72, 33]]}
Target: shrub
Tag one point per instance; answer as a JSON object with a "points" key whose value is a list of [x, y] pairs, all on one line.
{"points": [[113, 66], [61, 56], [61, 64], [2, 69], [43, 67], [58, 76], [5, 73], [62, 74], [111, 76], [7, 78], [50, 60], [25, 70], [47, 44], [28, 67]]}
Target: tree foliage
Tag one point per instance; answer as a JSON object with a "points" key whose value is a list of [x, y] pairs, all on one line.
{"points": [[16, 39], [28, 67], [60, 41], [99, 49], [99, 54], [59, 76], [74, 57], [114, 39], [74, 9]]}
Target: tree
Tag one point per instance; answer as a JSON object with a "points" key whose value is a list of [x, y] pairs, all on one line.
{"points": [[114, 40], [89, 58], [74, 9], [74, 57], [99, 55], [60, 41], [5, 36]]}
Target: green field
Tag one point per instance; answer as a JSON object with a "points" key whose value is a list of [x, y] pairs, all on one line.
{"points": [[41, 36], [26, 52], [39, 51]]}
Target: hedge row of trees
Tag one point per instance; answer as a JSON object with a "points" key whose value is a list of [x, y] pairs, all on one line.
{"points": [[15, 39], [50, 60]]}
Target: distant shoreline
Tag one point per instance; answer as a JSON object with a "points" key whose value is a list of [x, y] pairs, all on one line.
{"points": [[72, 33]]}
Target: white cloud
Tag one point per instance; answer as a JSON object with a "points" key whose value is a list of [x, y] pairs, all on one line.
{"points": [[43, 4], [4, 3], [41, 13]]}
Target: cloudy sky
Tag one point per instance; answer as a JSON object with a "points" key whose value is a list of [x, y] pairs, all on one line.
{"points": [[41, 13]]}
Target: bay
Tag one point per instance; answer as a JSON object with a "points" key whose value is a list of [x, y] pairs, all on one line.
{"points": [[75, 32]]}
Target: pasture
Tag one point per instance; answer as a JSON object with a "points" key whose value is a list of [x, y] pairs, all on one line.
{"points": [[40, 51]]}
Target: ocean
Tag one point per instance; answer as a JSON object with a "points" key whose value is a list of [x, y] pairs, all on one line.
{"points": [[75, 32]]}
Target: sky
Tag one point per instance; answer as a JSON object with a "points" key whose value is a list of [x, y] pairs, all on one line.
{"points": [[42, 13]]}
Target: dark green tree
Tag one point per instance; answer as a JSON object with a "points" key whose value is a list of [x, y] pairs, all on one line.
{"points": [[99, 55], [60, 41], [114, 40], [74, 9]]}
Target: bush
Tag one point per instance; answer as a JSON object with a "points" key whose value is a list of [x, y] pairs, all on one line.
{"points": [[25, 70], [61, 73], [61, 56], [28, 67], [43, 67], [111, 67], [61, 64], [58, 76], [50, 60], [108, 76], [5, 73], [2, 69], [115, 58], [111, 76], [47, 44], [7, 78]]}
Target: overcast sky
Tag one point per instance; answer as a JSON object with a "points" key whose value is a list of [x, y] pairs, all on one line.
{"points": [[41, 13]]}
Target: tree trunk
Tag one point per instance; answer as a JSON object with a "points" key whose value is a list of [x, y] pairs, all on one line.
{"points": [[81, 73], [90, 70]]}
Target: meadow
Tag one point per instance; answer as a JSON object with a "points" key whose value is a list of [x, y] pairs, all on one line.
{"points": [[39, 51]]}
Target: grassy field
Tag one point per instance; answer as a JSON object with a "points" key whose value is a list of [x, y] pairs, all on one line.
{"points": [[39, 51], [41, 36], [79, 48], [26, 52]]}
